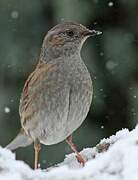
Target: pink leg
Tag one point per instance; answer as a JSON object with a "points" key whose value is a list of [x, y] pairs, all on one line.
{"points": [[74, 148], [37, 147]]}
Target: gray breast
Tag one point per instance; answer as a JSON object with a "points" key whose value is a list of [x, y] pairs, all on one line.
{"points": [[68, 103], [80, 98]]}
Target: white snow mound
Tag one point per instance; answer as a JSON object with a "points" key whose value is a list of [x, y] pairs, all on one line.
{"points": [[115, 158]]}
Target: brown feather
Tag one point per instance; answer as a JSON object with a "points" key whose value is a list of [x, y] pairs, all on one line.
{"points": [[31, 90]]}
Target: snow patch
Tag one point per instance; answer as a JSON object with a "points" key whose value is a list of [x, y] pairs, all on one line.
{"points": [[114, 158]]}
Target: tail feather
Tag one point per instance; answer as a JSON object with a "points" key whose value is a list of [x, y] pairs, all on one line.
{"points": [[21, 140]]}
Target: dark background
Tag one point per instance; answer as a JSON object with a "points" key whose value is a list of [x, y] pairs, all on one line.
{"points": [[111, 58]]}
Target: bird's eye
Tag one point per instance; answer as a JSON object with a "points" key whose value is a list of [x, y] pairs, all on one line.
{"points": [[70, 33]]}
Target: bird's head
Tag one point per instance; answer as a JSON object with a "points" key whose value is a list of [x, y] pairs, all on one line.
{"points": [[66, 39]]}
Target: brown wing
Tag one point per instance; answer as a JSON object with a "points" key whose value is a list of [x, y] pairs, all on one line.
{"points": [[32, 90]]}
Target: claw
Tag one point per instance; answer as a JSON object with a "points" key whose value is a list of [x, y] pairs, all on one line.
{"points": [[74, 148], [80, 159]]}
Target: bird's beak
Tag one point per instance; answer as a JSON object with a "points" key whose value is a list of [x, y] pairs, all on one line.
{"points": [[91, 33]]}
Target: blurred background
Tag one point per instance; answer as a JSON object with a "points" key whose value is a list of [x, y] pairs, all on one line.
{"points": [[111, 59]]}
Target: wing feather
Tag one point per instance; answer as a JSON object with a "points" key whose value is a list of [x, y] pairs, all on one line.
{"points": [[32, 91]]}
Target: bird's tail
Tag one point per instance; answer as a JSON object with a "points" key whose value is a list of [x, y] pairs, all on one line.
{"points": [[21, 140]]}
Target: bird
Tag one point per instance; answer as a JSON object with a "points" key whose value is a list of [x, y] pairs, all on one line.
{"points": [[57, 95]]}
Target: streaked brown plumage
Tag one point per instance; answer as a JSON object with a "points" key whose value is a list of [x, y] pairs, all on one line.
{"points": [[35, 79], [57, 95]]}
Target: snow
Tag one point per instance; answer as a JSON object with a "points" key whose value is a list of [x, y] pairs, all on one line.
{"points": [[114, 158], [7, 110], [110, 65], [110, 4], [14, 14], [101, 54]]}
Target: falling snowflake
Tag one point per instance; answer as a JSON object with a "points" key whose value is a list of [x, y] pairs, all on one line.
{"points": [[110, 65], [101, 53], [14, 14], [134, 113], [95, 23], [6, 109], [110, 4]]}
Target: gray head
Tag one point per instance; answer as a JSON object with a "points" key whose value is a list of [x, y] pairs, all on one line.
{"points": [[65, 39]]}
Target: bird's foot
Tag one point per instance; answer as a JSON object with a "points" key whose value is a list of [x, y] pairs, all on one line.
{"points": [[74, 148], [80, 159]]}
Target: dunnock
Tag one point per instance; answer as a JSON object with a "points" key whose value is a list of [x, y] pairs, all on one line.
{"points": [[58, 93]]}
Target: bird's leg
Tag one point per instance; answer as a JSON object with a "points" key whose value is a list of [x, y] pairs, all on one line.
{"points": [[37, 147], [74, 148]]}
